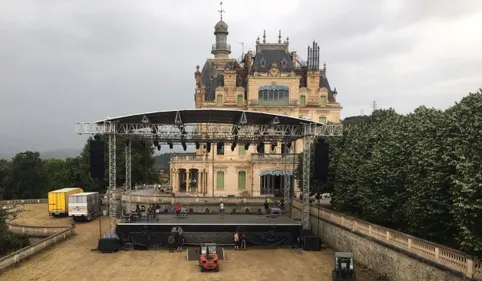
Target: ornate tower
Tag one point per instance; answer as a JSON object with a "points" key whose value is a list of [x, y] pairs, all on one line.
{"points": [[221, 49]]}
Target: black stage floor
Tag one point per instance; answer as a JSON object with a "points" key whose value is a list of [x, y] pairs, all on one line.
{"points": [[260, 230]]}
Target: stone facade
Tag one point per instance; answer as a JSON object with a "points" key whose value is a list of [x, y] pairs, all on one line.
{"points": [[382, 259], [272, 80]]}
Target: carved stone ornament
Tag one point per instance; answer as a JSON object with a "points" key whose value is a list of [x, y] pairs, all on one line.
{"points": [[274, 70]]}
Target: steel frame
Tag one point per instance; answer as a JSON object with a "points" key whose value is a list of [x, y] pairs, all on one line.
{"points": [[212, 132], [128, 173], [287, 193], [305, 218], [112, 183]]}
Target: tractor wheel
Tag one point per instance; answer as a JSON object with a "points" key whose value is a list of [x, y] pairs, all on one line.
{"points": [[334, 276], [216, 269], [202, 268], [353, 276]]}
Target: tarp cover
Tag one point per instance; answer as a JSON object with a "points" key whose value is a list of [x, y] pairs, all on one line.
{"points": [[159, 239]]}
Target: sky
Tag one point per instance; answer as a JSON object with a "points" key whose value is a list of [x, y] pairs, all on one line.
{"points": [[63, 62]]}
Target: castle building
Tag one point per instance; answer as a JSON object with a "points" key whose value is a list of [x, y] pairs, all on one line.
{"points": [[272, 79]]}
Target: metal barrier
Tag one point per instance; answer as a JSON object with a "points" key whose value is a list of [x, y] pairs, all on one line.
{"points": [[23, 201], [447, 257]]}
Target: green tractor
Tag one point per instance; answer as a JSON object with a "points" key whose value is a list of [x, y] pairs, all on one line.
{"points": [[344, 267]]}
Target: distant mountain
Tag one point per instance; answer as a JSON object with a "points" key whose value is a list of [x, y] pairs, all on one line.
{"points": [[61, 153]]}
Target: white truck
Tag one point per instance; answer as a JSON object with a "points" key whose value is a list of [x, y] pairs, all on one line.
{"points": [[84, 206]]}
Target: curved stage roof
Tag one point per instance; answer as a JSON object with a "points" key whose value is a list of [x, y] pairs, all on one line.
{"points": [[221, 116]]}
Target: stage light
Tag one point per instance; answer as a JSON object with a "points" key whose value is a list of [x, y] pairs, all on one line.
{"points": [[246, 146], [233, 146], [260, 147], [156, 143], [170, 145], [184, 146], [288, 144], [274, 144], [197, 144], [208, 146], [158, 147]]}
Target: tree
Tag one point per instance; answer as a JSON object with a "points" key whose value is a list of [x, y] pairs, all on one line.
{"points": [[143, 168], [4, 174], [56, 170], [28, 178], [465, 128], [10, 242]]}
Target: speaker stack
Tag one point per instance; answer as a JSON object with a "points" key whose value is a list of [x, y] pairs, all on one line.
{"points": [[311, 242], [322, 161], [97, 166], [109, 243]]}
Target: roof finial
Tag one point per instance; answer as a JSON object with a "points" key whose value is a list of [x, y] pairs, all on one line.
{"points": [[221, 11], [279, 37], [264, 36], [257, 40], [287, 39]]}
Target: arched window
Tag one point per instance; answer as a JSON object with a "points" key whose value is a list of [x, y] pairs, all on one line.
{"points": [[274, 94]]}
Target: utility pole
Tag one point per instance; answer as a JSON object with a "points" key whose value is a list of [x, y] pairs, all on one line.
{"points": [[374, 105]]}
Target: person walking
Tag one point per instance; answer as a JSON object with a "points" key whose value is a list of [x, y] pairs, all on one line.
{"points": [[221, 209], [236, 241], [244, 240], [179, 242], [177, 208], [171, 242], [266, 207]]}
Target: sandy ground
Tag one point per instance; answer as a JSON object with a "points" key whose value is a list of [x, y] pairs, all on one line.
{"points": [[73, 260]]}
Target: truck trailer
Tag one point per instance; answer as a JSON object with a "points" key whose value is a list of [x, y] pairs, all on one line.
{"points": [[59, 201], [84, 206]]}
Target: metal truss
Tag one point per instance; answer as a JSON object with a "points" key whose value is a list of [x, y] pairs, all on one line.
{"points": [[128, 173], [112, 183], [287, 195], [211, 131], [305, 219]]}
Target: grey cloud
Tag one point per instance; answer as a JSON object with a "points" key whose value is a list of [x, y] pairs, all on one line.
{"points": [[64, 62]]}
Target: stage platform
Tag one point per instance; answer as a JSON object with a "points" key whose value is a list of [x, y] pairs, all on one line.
{"points": [[196, 229]]}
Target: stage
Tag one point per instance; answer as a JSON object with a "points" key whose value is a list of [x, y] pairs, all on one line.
{"points": [[196, 229]]}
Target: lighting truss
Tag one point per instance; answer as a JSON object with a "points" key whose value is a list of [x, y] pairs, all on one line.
{"points": [[209, 133]]}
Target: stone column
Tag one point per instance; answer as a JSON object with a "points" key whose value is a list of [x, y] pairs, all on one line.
{"points": [[187, 181]]}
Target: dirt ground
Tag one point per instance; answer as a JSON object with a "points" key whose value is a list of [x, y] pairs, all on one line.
{"points": [[73, 260]]}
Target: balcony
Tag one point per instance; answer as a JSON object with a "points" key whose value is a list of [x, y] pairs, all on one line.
{"points": [[273, 102], [223, 47], [187, 157], [274, 157]]}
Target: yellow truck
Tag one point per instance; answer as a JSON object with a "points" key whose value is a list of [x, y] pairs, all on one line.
{"points": [[59, 201]]}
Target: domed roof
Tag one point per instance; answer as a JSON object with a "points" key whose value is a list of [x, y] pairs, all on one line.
{"points": [[221, 26]]}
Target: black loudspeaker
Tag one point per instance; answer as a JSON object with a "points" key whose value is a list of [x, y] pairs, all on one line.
{"points": [[322, 161], [109, 243], [311, 243], [97, 166]]}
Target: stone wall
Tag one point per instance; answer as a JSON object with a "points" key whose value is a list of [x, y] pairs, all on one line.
{"points": [[383, 258]]}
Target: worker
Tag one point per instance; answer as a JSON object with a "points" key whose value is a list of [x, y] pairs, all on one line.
{"points": [[179, 242], [244, 240], [171, 242], [221, 209], [282, 204], [236, 241], [266, 207], [177, 208]]}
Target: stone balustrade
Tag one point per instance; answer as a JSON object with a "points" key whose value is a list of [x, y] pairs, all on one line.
{"points": [[23, 201], [444, 256], [16, 257]]}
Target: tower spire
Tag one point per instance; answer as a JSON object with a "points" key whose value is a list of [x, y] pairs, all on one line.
{"points": [[264, 36], [221, 11], [279, 37]]}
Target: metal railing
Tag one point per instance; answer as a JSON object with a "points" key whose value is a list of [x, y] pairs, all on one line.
{"points": [[187, 156], [23, 201], [447, 257]]}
